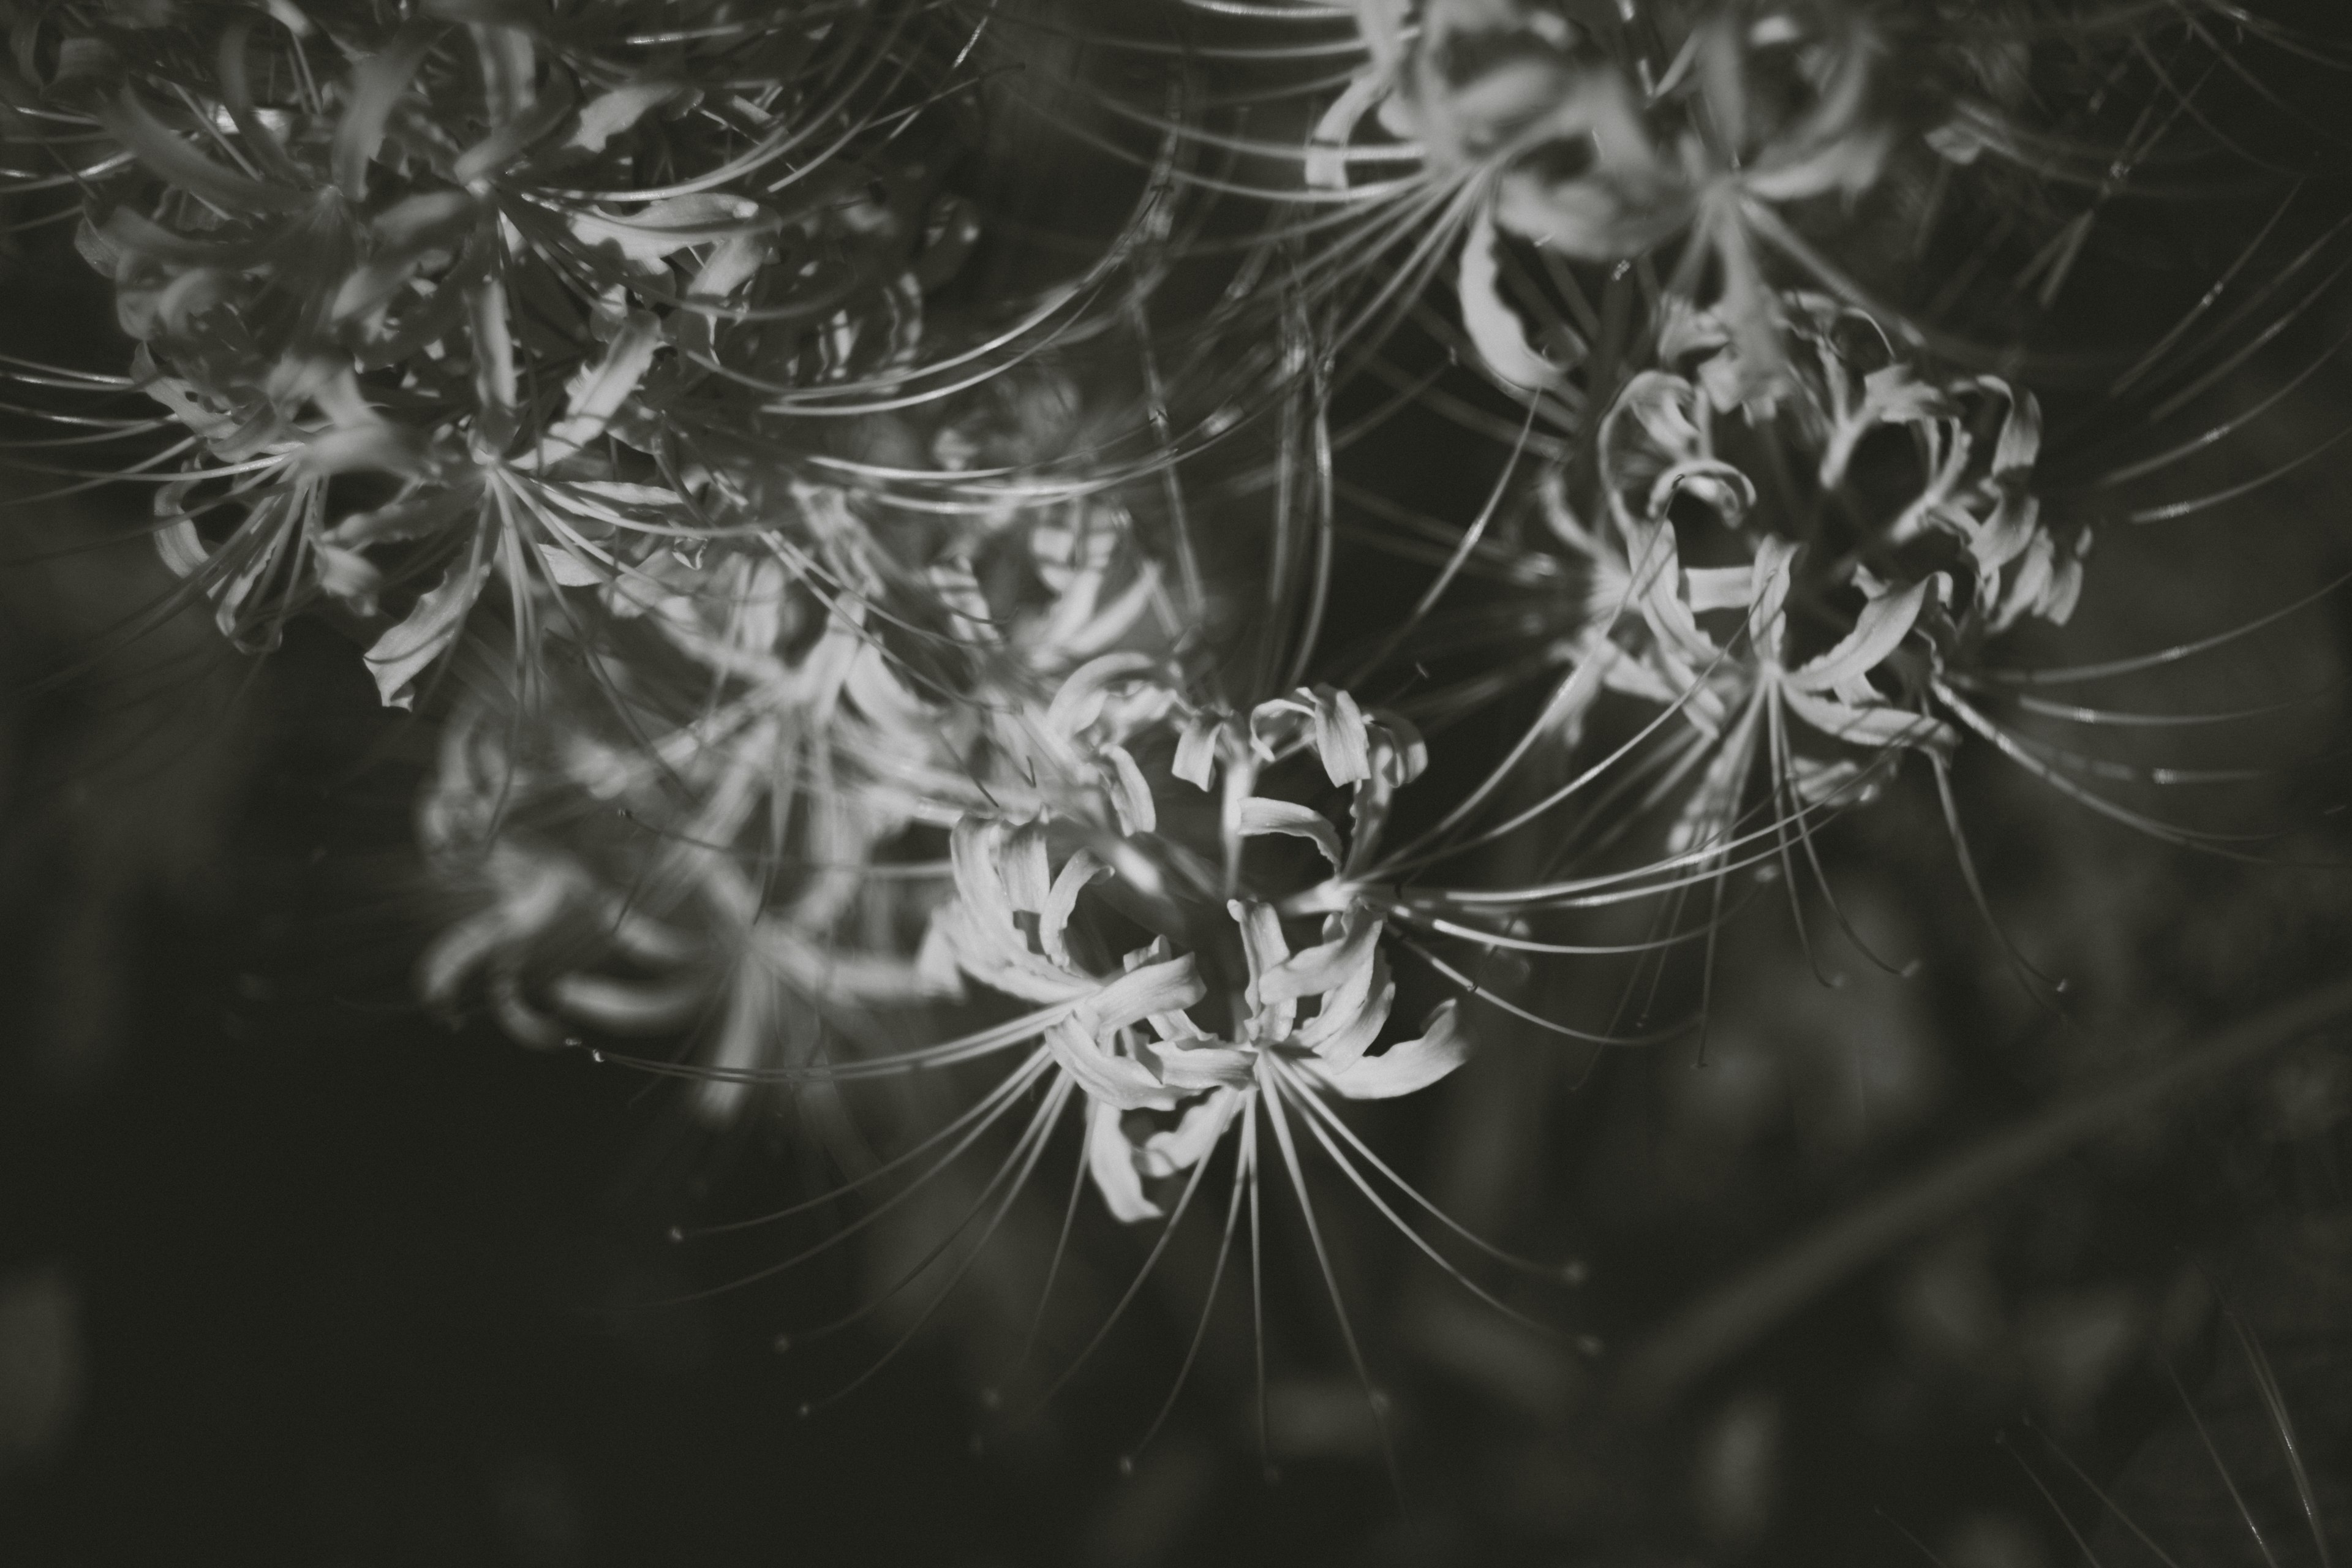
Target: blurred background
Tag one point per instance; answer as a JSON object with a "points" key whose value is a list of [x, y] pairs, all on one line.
{"points": [[292, 1273]]}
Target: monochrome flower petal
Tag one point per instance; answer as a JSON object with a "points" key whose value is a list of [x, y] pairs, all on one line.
{"points": [[1408, 1066]]}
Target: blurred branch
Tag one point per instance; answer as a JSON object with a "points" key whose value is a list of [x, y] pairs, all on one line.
{"points": [[1734, 1317]]}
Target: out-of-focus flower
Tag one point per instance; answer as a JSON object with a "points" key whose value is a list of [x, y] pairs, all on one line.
{"points": [[1562, 131]]}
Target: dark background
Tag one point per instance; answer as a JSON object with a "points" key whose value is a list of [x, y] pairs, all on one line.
{"points": [[289, 1273]]}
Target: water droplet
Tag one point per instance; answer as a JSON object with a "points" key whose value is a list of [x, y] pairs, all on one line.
{"points": [[1574, 1271], [573, 1042], [596, 1057], [677, 1233], [1127, 1464], [805, 1410], [783, 1343], [992, 1399], [1588, 1343]]}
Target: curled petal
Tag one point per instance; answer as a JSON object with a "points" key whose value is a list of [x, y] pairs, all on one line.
{"points": [[1261, 816], [1878, 632], [1108, 1080], [1130, 795], [1327, 149], [404, 652], [1028, 874], [1208, 1067], [1085, 689], [608, 114], [1408, 1065], [1053, 922], [2019, 442], [1170, 1027], [1153, 988], [1495, 330], [1328, 966], [1111, 1162], [598, 391], [1351, 1016], [1263, 946], [1196, 750], [1189, 1141]]}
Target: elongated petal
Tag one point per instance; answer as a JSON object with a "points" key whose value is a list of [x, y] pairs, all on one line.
{"points": [[1053, 923], [1085, 690], [1340, 734], [1189, 1141], [404, 652], [1108, 1081], [1408, 1065], [1877, 726], [1172, 1026], [1327, 149], [377, 83], [178, 162], [1768, 595], [1351, 1016], [1193, 1067], [1719, 588], [1495, 331], [1132, 797], [1196, 751], [2019, 442], [1111, 1161], [1261, 816], [1263, 943], [628, 1008], [1706, 818], [608, 114], [598, 391], [1169, 987], [1878, 632], [662, 229], [1028, 879], [1312, 970]]}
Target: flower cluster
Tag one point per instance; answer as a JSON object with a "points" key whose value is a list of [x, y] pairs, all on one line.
{"points": [[458, 295], [880, 616]]}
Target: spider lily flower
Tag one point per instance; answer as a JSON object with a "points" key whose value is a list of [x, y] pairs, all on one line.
{"points": [[740, 756], [276, 456], [459, 222], [730, 879], [1559, 131], [1346, 979], [1126, 1036], [1002, 873], [1763, 600]]}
